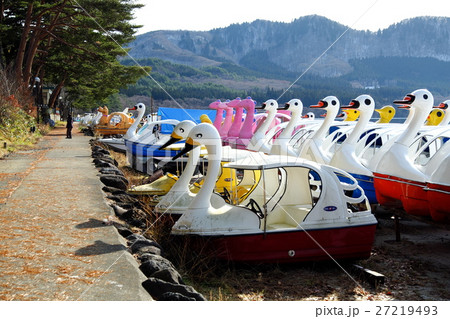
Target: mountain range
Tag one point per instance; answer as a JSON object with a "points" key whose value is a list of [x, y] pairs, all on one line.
{"points": [[407, 55], [296, 45]]}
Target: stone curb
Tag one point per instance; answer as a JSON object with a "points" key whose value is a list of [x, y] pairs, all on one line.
{"points": [[163, 283]]}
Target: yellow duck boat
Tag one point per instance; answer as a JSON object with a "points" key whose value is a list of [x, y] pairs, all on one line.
{"points": [[116, 123], [387, 113], [435, 117]]}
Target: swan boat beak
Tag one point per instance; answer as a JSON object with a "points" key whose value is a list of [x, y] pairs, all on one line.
{"points": [[285, 107], [322, 104], [406, 102], [188, 146], [443, 106], [354, 104], [173, 139]]}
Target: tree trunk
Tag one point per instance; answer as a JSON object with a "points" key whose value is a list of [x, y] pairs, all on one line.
{"points": [[55, 94], [35, 41], [23, 43], [33, 44]]}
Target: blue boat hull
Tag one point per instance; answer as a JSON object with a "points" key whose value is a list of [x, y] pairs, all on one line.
{"points": [[149, 150]]}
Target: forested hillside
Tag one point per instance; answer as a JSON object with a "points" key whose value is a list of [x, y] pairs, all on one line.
{"points": [[385, 79]]}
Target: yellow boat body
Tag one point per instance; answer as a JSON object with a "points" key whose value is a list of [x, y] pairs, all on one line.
{"points": [[159, 187], [117, 123], [235, 190]]}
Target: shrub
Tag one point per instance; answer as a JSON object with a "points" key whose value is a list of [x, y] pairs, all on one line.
{"points": [[16, 117]]}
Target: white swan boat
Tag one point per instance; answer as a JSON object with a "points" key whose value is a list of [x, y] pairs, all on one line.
{"points": [[283, 216], [432, 159], [396, 169]]}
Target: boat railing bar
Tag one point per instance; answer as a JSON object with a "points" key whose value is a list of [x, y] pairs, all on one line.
{"points": [[401, 181], [436, 190]]}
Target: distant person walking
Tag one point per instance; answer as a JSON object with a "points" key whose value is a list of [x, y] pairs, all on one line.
{"points": [[69, 126]]}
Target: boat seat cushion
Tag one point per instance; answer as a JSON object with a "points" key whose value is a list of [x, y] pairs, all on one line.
{"points": [[287, 216]]}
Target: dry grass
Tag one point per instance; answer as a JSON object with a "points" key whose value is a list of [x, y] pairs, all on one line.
{"points": [[134, 177]]}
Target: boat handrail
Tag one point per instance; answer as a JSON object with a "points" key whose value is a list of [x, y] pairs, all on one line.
{"points": [[436, 190]]}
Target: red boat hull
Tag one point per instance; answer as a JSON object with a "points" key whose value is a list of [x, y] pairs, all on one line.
{"points": [[289, 246], [388, 190], [414, 199], [393, 191], [439, 201]]}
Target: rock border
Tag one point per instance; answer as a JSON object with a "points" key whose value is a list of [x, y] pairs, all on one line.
{"points": [[164, 283]]}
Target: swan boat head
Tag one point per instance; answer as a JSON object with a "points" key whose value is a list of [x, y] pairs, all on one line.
{"points": [[258, 141], [270, 105], [235, 128], [330, 104], [246, 132], [309, 116], [281, 144], [312, 148], [295, 106], [180, 132], [225, 127], [140, 108], [395, 161], [365, 104], [345, 156], [219, 113], [179, 196], [421, 101]]}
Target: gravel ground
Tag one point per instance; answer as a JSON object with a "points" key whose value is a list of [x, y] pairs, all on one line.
{"points": [[415, 268]]}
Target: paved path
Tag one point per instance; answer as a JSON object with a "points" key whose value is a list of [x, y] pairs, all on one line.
{"points": [[53, 243]]}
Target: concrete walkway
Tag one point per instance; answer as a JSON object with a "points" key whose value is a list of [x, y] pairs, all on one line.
{"points": [[53, 242]]}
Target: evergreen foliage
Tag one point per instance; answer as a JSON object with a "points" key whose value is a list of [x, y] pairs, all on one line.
{"points": [[385, 78], [69, 44]]}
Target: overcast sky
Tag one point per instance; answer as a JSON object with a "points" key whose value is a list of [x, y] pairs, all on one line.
{"points": [[202, 15]]}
